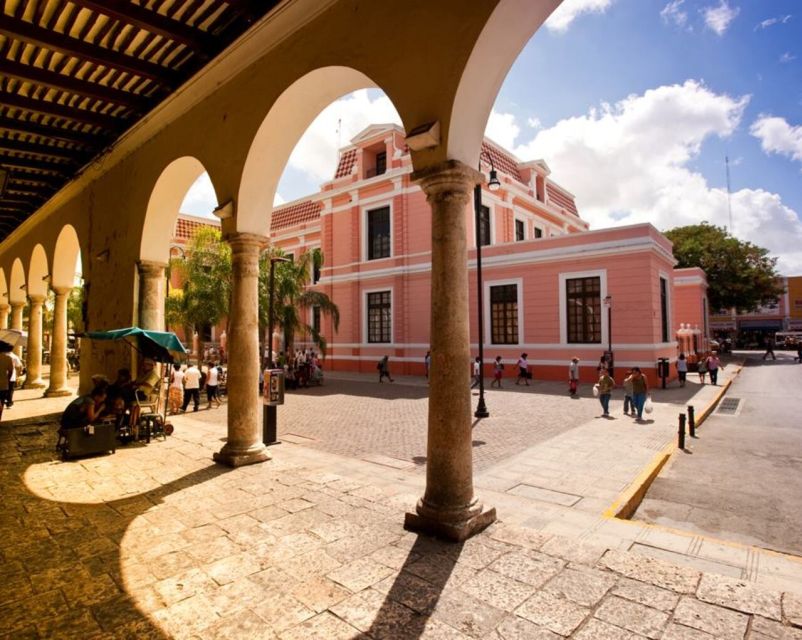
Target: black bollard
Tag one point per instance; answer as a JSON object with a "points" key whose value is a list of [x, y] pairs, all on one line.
{"points": [[691, 421], [682, 431]]}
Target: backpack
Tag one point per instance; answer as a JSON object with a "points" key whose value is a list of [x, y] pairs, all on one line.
{"points": [[378, 366]]}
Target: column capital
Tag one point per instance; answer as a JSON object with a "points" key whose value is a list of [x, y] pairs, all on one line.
{"points": [[242, 242], [151, 268], [17, 304], [37, 298], [447, 179], [4, 306], [61, 291]]}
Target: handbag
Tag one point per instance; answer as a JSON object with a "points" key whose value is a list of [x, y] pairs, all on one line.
{"points": [[648, 407], [595, 390]]}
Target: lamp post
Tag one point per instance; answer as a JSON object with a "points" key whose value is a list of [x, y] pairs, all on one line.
{"points": [[608, 302], [270, 414], [493, 184]]}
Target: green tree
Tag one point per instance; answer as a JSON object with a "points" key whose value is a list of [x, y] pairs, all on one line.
{"points": [[739, 274], [293, 297], [75, 310]]}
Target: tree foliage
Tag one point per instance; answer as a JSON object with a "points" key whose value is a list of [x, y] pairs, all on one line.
{"points": [[739, 274]]}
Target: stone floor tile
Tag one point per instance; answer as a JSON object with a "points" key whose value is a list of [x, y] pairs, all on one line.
{"points": [[28, 633], [394, 557], [527, 566], [78, 625], [653, 571], [573, 550], [375, 614], [596, 629], [237, 566], [281, 611], [477, 554], [236, 596], [681, 632], [556, 614], [792, 608], [519, 536], [170, 564], [295, 505], [740, 595], [203, 533], [322, 626], [319, 593], [647, 594], [411, 591], [360, 574], [774, 630], [498, 590], [187, 618], [15, 587], [467, 614], [515, 628], [89, 592], [241, 625], [710, 618], [585, 587], [212, 550], [183, 586], [273, 578], [632, 616]]}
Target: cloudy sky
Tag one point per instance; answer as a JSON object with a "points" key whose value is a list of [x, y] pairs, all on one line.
{"points": [[643, 101]]}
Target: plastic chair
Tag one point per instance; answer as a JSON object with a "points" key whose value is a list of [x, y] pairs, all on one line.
{"points": [[150, 413]]}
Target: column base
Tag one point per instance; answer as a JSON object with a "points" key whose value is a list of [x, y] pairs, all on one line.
{"points": [[478, 519], [35, 384], [57, 393], [233, 457]]}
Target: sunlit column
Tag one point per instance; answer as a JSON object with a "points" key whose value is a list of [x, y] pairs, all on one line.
{"points": [[16, 322], [244, 444], [4, 311], [152, 285], [58, 351], [34, 378], [449, 508]]}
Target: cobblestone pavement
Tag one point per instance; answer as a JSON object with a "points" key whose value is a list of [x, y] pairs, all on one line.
{"points": [[156, 542]]}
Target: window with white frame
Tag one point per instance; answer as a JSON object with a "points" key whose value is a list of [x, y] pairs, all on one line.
{"points": [[378, 233], [664, 309], [379, 311], [504, 314], [520, 230], [538, 232], [484, 226], [583, 310]]}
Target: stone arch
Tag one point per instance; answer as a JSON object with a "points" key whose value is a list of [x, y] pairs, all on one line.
{"points": [[65, 257], [16, 286], [511, 25], [3, 287], [164, 204], [38, 272], [289, 116]]}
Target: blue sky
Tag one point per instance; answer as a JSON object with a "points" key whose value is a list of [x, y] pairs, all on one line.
{"points": [[634, 105]]}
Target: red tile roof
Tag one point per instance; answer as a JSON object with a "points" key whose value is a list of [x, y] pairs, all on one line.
{"points": [[346, 165], [184, 227], [559, 199], [295, 214], [503, 162]]}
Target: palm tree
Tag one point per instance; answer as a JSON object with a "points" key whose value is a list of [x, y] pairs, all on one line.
{"points": [[293, 296]]}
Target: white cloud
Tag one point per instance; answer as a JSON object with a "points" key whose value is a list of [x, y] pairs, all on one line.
{"points": [[718, 18], [534, 122], [502, 128], [672, 12], [200, 199], [765, 24], [630, 163], [777, 136], [316, 153], [570, 10], [787, 57]]}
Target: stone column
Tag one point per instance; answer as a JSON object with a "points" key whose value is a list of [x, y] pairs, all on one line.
{"points": [[16, 322], [244, 443], [449, 508], [4, 311], [151, 294], [58, 351], [34, 378]]}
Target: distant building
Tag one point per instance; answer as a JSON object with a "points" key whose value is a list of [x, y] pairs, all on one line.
{"points": [[547, 279]]}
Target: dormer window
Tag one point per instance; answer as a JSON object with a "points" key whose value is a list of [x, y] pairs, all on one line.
{"points": [[374, 160], [540, 188], [381, 163]]}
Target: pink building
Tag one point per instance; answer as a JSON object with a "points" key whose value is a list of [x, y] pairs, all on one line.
{"points": [[551, 288]]}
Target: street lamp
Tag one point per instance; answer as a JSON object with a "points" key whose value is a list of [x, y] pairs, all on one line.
{"points": [[494, 185], [608, 302], [270, 414]]}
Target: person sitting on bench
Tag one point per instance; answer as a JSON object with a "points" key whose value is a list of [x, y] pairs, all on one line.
{"points": [[84, 410]]}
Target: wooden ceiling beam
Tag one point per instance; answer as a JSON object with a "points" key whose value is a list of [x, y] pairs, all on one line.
{"points": [[38, 149], [62, 169], [22, 178], [109, 123], [49, 131], [54, 41], [60, 82], [153, 22]]}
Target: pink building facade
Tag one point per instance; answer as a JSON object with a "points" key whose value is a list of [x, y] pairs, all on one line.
{"points": [[551, 288]]}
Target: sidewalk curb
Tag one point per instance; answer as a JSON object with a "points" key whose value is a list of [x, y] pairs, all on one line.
{"points": [[628, 501]]}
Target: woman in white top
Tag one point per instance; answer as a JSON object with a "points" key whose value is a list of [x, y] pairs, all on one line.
{"points": [[523, 370], [682, 369], [211, 385], [176, 393]]}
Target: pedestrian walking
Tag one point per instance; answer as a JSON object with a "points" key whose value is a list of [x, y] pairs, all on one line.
{"points": [[606, 384], [523, 370], [212, 384], [640, 388], [498, 372], [629, 401], [427, 362], [682, 369], [701, 368], [192, 379], [770, 348], [384, 369], [713, 365], [477, 372], [16, 371], [6, 369], [573, 376], [175, 393]]}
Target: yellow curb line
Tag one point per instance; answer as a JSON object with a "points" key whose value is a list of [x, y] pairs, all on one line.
{"points": [[630, 498]]}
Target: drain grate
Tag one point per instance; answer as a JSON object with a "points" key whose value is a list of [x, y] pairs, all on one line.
{"points": [[729, 406]]}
